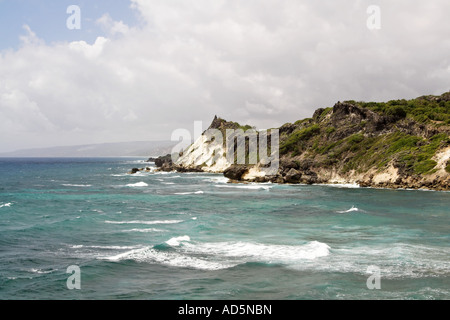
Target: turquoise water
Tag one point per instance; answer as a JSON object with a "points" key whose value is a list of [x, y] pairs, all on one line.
{"points": [[194, 236]]}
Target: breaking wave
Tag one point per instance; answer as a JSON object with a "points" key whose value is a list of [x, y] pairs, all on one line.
{"points": [[352, 209], [221, 255], [185, 193], [138, 184]]}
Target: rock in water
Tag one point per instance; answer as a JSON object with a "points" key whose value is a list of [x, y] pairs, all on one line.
{"points": [[235, 171]]}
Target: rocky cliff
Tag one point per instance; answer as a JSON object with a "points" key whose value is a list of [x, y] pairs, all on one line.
{"points": [[397, 144]]}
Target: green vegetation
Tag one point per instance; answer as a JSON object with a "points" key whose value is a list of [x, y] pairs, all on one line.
{"points": [[324, 113], [423, 109], [411, 153], [299, 122], [447, 168], [298, 139], [330, 130]]}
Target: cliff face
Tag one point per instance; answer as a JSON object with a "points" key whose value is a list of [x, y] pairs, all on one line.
{"points": [[207, 153], [398, 144]]}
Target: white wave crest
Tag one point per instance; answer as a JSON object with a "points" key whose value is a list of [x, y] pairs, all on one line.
{"points": [[40, 271], [222, 255], [9, 204], [143, 230], [173, 259], [252, 187], [217, 180], [176, 241], [341, 185], [352, 209], [79, 246], [185, 193], [76, 185], [144, 222], [138, 184], [268, 253]]}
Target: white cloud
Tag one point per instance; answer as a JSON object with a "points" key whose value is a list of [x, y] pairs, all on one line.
{"points": [[112, 27], [261, 62]]}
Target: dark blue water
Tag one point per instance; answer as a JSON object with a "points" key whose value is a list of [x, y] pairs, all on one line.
{"points": [[195, 236]]}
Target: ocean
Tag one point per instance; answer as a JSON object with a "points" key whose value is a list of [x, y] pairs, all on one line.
{"points": [[195, 236]]}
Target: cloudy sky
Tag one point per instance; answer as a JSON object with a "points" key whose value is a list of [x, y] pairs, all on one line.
{"points": [[139, 69]]}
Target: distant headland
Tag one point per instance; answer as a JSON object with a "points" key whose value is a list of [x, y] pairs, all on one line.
{"points": [[394, 144]]}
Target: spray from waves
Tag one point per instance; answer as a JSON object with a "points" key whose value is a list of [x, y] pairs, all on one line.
{"points": [[258, 252], [352, 209], [9, 204], [185, 193], [176, 241], [222, 255], [138, 184], [173, 259], [144, 222], [217, 180]]}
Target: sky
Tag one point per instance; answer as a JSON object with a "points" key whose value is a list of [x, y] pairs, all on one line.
{"points": [[136, 70]]}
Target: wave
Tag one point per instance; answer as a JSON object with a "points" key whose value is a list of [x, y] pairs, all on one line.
{"points": [[173, 259], [9, 204], [253, 187], [79, 246], [257, 252], [396, 261], [40, 271], [352, 209], [143, 230], [341, 185], [145, 222], [185, 193], [222, 255], [76, 185], [138, 184], [176, 241], [217, 180]]}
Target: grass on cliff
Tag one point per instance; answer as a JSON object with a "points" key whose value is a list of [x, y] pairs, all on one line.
{"points": [[298, 139], [410, 153], [423, 109]]}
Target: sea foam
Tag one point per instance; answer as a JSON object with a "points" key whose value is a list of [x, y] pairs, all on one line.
{"points": [[145, 222], [138, 184], [251, 187], [250, 252], [76, 185], [9, 204], [186, 193], [352, 209], [222, 255], [176, 241]]}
